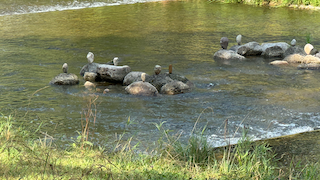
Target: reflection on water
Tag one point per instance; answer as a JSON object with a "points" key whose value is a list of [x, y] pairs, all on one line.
{"points": [[270, 101]]}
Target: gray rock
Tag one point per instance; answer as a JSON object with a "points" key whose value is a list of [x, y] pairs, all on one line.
{"points": [[65, 79], [112, 73], [238, 39], [109, 73], [234, 48], [159, 80], [250, 49], [293, 42], [142, 89], [132, 77], [224, 54], [274, 49], [294, 50], [90, 67], [224, 42], [175, 87]]}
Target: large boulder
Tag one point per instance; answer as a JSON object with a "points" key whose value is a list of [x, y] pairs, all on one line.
{"points": [[105, 72], [174, 87], [65, 79], [132, 77], [112, 73], [224, 54], [142, 88], [274, 49], [250, 49]]}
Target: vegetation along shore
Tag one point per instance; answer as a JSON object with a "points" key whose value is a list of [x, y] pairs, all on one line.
{"points": [[23, 155], [297, 4]]}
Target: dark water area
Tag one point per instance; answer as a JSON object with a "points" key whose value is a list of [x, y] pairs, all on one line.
{"points": [[37, 38]]}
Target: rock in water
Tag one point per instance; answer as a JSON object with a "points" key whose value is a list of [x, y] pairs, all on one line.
{"points": [[90, 57], [65, 79], [175, 87], [224, 41], [157, 69], [308, 48], [142, 88], [132, 77], [112, 73]]}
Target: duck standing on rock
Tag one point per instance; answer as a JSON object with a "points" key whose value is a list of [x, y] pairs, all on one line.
{"points": [[65, 78]]}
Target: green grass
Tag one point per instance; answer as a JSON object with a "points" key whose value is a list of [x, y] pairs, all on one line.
{"points": [[22, 156]]}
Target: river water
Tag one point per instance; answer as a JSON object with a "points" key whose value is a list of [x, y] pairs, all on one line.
{"points": [[36, 38]]}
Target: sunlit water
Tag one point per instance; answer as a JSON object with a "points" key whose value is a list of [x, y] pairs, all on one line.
{"points": [[36, 38]]}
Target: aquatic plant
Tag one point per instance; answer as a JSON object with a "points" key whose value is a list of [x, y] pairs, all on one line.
{"points": [[308, 38]]}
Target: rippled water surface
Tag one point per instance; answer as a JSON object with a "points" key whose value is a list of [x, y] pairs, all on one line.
{"points": [[36, 38]]}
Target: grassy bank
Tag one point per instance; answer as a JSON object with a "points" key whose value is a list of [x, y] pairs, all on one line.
{"points": [[304, 4], [23, 156]]}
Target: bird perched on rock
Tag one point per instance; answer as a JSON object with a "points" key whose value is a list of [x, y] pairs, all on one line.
{"points": [[65, 68], [90, 57]]}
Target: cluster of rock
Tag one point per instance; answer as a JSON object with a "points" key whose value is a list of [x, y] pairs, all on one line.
{"points": [[138, 83], [268, 50], [306, 58], [309, 59]]}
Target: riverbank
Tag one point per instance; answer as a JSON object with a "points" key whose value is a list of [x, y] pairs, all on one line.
{"points": [[25, 154], [296, 4]]}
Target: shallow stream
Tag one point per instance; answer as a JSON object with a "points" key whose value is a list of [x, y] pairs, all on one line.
{"points": [[36, 38]]}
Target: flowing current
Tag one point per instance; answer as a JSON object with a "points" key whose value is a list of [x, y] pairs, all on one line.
{"points": [[36, 38]]}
